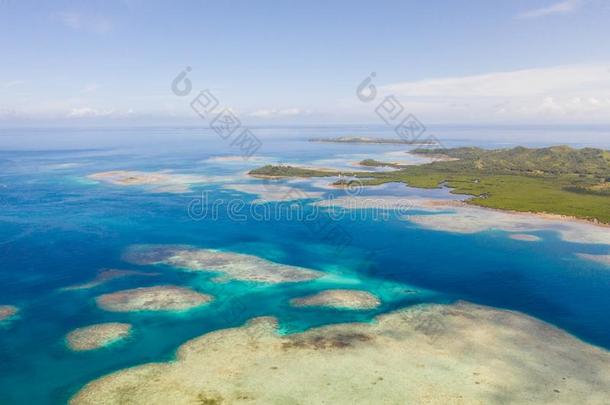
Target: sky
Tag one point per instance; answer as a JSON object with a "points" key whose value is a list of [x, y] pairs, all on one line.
{"points": [[301, 62]]}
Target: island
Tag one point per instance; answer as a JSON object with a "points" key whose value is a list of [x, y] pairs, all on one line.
{"points": [[555, 180], [97, 336], [363, 139], [158, 298], [339, 299], [443, 354], [280, 171]]}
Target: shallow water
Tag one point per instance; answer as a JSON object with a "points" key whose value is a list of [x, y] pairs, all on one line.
{"points": [[58, 228]]}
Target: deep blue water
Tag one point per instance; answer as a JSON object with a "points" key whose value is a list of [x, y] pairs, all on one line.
{"points": [[58, 228]]}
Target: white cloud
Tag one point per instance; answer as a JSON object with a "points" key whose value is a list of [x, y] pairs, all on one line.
{"points": [[84, 22], [273, 113], [562, 7], [553, 95], [88, 112], [13, 83], [565, 93], [525, 82], [91, 88], [8, 113]]}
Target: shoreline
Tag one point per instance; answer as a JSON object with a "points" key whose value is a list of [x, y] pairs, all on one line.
{"points": [[458, 216], [465, 203], [543, 215]]}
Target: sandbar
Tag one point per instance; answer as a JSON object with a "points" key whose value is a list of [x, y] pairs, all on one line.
{"points": [[97, 336], [339, 299], [235, 266], [432, 354], [158, 298]]}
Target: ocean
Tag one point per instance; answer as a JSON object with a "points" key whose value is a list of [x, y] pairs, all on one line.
{"points": [[58, 227]]}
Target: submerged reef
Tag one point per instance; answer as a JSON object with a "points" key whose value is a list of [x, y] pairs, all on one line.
{"points": [[339, 299], [273, 192], [432, 354], [7, 312], [97, 336], [235, 266], [158, 298], [603, 259], [105, 276], [161, 182], [525, 237]]}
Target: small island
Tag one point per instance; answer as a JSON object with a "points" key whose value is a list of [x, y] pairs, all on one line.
{"points": [[363, 139], [280, 171], [339, 299], [556, 180], [97, 336], [158, 298]]}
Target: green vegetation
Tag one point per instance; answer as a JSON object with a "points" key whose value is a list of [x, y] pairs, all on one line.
{"points": [[553, 161], [289, 171], [376, 163], [557, 180]]}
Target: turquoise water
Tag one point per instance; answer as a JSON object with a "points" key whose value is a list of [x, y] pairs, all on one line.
{"points": [[57, 228]]}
